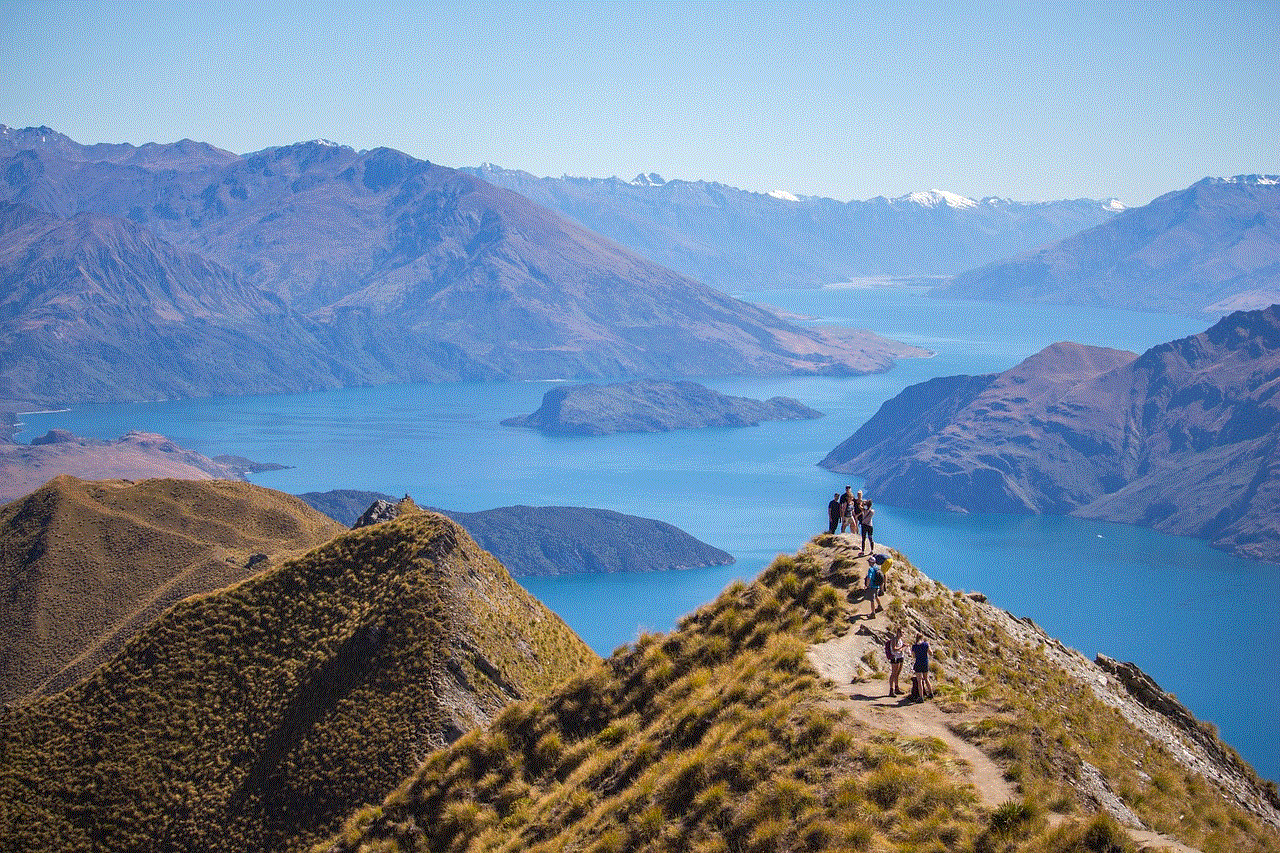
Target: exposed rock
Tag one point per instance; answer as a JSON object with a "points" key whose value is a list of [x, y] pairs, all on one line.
{"points": [[344, 505], [54, 436], [378, 512], [652, 405], [1183, 439]]}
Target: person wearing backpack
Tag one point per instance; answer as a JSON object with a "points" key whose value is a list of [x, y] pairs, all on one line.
{"points": [[875, 580], [895, 649]]}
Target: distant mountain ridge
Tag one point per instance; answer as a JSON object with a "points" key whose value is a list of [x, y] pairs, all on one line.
{"points": [[534, 541], [369, 267], [1184, 439], [740, 240], [1213, 247]]}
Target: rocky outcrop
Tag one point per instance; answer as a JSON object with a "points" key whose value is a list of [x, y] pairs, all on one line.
{"points": [[652, 405], [1184, 439], [1209, 248]]}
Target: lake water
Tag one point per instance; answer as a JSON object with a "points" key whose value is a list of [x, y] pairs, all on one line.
{"points": [[1197, 620]]}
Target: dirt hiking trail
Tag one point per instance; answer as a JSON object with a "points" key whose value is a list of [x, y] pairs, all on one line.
{"points": [[866, 696]]}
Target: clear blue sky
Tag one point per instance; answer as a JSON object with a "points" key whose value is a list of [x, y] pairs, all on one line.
{"points": [[1031, 101]]}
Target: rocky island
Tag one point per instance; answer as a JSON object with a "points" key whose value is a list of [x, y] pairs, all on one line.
{"points": [[1182, 439], [652, 405]]}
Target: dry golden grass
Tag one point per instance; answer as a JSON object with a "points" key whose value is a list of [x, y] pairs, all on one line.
{"points": [[91, 563], [250, 718]]}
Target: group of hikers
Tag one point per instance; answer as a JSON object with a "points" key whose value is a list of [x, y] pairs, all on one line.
{"points": [[895, 649], [851, 513]]}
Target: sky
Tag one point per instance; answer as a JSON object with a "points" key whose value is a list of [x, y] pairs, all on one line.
{"points": [[1027, 101]]}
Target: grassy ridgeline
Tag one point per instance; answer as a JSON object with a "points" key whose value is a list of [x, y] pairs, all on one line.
{"points": [[253, 717], [90, 563], [722, 737]]}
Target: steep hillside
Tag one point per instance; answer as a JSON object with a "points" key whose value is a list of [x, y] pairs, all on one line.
{"points": [[739, 732], [652, 405], [1183, 438], [738, 240], [250, 718], [86, 565], [398, 270], [99, 309], [1213, 247]]}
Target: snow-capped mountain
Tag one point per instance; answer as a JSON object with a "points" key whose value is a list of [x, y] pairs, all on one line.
{"points": [[738, 240]]}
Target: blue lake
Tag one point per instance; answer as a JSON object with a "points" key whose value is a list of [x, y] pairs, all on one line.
{"points": [[1197, 620]]}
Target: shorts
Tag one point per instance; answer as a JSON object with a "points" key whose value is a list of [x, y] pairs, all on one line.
{"points": [[920, 667], [873, 591]]}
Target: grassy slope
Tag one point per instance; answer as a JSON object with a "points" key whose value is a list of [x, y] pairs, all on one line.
{"points": [[87, 564], [251, 718], [721, 737]]}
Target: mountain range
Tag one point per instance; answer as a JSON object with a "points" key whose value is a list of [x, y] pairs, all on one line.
{"points": [[181, 270], [737, 240], [1184, 438], [1211, 248]]}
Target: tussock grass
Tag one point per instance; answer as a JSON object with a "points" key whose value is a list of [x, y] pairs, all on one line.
{"points": [[255, 717]]}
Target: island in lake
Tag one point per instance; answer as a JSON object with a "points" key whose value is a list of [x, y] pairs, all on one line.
{"points": [[652, 405]]}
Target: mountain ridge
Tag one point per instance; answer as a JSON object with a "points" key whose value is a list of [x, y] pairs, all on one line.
{"points": [[1183, 438], [1210, 248]]}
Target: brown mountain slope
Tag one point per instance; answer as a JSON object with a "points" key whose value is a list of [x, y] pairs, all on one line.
{"points": [[1184, 439], [88, 564], [249, 718]]}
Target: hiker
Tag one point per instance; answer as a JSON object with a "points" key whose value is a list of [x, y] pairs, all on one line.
{"points": [[846, 509], [895, 649], [833, 513], [921, 689], [865, 524], [875, 580]]}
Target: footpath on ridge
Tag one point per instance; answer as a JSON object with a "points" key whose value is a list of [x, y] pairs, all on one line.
{"points": [[864, 690]]}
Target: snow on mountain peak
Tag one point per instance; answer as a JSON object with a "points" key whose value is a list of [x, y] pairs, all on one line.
{"points": [[934, 198], [653, 179], [1114, 204], [784, 195]]}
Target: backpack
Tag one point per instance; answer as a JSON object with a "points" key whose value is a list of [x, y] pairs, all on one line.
{"points": [[888, 649], [875, 577]]}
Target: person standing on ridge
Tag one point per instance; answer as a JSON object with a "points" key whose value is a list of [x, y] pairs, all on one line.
{"points": [[921, 689], [875, 579], [833, 513], [846, 509], [897, 650], [868, 532]]}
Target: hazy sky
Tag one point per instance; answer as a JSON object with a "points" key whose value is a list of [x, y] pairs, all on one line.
{"points": [[1031, 101]]}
